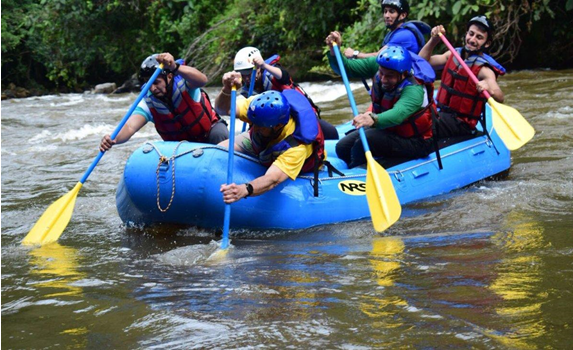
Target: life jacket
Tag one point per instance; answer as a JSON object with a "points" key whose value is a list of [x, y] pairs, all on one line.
{"points": [[458, 94], [418, 28], [182, 118], [420, 123], [307, 131]]}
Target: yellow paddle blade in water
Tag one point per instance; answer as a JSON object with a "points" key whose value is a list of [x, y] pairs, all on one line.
{"points": [[511, 126], [54, 220], [383, 202]]}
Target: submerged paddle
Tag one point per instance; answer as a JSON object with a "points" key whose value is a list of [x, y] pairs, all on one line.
{"points": [[383, 202], [230, 166], [511, 126], [53, 222]]}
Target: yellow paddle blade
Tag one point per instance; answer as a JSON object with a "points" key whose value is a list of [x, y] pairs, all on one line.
{"points": [[510, 125], [383, 202], [54, 220], [218, 255]]}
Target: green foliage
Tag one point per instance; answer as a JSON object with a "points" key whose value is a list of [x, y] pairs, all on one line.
{"points": [[17, 25], [71, 43], [513, 21]]}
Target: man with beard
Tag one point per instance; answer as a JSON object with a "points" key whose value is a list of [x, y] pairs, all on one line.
{"points": [[175, 103], [459, 99]]}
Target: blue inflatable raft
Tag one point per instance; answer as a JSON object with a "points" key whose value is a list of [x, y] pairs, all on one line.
{"points": [[185, 188]]}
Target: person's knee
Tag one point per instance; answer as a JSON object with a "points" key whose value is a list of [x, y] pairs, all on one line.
{"points": [[218, 133], [357, 155], [342, 152], [329, 131]]}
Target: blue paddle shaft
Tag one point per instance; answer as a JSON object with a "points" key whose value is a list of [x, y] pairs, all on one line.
{"points": [[123, 121], [350, 95], [230, 166], [251, 89], [252, 84]]}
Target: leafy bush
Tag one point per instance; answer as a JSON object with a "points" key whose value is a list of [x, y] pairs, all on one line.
{"points": [[73, 43]]}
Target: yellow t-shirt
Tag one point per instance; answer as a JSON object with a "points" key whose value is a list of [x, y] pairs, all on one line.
{"points": [[291, 160]]}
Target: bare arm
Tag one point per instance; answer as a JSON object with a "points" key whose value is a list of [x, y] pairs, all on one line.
{"points": [[426, 52], [260, 64], [192, 75], [223, 100], [273, 177], [349, 53], [333, 37], [488, 81], [133, 124], [336, 37]]}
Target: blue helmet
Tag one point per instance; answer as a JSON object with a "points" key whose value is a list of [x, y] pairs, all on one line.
{"points": [[395, 57], [269, 109]]}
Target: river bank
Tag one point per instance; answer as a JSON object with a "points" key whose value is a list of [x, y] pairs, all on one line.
{"points": [[13, 91]]}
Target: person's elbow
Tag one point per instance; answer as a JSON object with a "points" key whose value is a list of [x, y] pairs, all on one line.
{"points": [[274, 181], [221, 111], [202, 79], [497, 94], [275, 176]]}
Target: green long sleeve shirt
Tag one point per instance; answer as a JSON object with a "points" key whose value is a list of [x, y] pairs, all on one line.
{"points": [[410, 101]]}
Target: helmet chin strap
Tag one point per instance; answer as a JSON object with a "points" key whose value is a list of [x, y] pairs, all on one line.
{"points": [[395, 24], [478, 51]]}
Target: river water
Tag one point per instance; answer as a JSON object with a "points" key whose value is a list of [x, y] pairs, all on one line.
{"points": [[488, 266]]}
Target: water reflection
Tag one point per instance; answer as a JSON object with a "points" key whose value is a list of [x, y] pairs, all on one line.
{"points": [[57, 280], [57, 266], [518, 281], [386, 256]]}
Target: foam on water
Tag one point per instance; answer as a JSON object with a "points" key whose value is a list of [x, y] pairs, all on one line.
{"points": [[565, 112], [44, 135], [115, 98], [327, 91], [189, 255], [83, 132], [68, 100]]}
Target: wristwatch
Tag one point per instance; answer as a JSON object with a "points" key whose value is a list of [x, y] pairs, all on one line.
{"points": [[355, 54], [176, 68], [249, 189]]}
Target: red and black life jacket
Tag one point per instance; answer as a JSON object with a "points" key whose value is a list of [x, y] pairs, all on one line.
{"points": [[307, 131], [458, 93], [418, 124], [182, 118]]}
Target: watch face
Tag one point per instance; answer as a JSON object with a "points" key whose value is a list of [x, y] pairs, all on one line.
{"points": [[249, 188]]}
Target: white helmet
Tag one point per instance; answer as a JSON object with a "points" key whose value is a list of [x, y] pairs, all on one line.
{"points": [[244, 58]]}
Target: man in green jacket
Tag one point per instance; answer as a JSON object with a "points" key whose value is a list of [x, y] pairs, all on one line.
{"points": [[399, 122]]}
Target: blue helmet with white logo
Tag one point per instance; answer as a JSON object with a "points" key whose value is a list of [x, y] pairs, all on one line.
{"points": [[395, 57], [269, 109]]}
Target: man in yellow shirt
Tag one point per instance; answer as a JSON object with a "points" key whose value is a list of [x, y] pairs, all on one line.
{"points": [[273, 137]]}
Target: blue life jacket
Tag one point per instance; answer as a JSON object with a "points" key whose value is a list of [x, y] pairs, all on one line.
{"points": [[418, 28], [307, 131]]}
